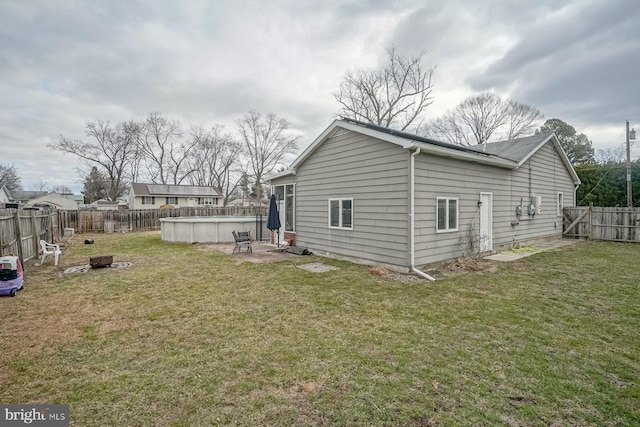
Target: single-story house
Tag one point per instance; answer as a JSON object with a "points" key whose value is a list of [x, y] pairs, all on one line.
{"points": [[23, 197], [153, 196], [54, 201], [380, 196]]}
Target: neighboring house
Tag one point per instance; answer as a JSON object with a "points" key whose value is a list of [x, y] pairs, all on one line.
{"points": [[105, 205], [380, 196], [78, 198], [5, 194], [153, 196], [54, 201], [23, 197]]}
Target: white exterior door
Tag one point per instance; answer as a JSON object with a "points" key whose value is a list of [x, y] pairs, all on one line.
{"points": [[486, 220]]}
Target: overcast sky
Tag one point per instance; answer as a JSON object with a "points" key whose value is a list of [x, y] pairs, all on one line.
{"points": [[64, 62]]}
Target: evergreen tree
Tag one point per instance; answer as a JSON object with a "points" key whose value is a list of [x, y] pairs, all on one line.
{"points": [[578, 147], [94, 186]]}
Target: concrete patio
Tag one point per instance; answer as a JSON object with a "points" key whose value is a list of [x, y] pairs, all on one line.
{"points": [[262, 252], [513, 255]]}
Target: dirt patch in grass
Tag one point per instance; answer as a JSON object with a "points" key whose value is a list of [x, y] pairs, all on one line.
{"points": [[462, 266], [394, 275], [443, 270]]}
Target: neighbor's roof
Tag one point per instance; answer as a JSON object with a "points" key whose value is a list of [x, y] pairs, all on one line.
{"points": [[54, 199], [509, 154], [4, 187], [28, 195], [141, 189]]}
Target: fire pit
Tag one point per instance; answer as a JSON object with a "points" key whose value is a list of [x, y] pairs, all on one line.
{"points": [[101, 261]]}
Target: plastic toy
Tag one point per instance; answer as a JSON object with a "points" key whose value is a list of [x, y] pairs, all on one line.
{"points": [[11, 275]]}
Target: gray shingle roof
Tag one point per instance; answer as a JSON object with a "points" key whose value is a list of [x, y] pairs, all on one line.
{"points": [[505, 154], [28, 195], [413, 137], [513, 149]]}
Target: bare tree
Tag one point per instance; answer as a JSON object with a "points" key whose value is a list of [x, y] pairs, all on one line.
{"points": [[62, 189], [39, 185], [521, 119], [450, 128], [610, 155], [111, 149], [394, 95], [215, 160], [163, 149], [481, 118], [482, 115], [266, 142], [9, 177]]}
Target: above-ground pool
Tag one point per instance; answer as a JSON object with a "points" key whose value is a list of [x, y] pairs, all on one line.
{"points": [[208, 229]]}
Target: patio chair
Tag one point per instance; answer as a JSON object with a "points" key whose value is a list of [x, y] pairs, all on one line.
{"points": [[242, 238], [49, 249]]}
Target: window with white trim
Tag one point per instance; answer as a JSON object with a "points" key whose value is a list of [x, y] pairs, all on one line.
{"points": [[172, 200], [148, 200], [446, 214], [208, 200], [341, 213], [560, 204]]}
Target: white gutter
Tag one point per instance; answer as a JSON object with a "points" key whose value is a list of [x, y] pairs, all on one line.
{"points": [[471, 156], [412, 226]]}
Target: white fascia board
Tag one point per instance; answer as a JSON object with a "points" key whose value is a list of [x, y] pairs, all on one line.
{"points": [[563, 156], [534, 151], [280, 174]]}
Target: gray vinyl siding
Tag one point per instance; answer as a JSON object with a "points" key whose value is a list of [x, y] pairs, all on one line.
{"points": [[446, 177], [548, 177], [374, 174]]}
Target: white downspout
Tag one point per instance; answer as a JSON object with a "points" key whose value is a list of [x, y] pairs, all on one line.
{"points": [[412, 226]]}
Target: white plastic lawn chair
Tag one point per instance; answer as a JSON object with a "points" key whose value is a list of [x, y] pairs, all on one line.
{"points": [[49, 249]]}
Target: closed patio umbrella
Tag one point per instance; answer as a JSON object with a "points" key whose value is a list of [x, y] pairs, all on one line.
{"points": [[273, 221]]}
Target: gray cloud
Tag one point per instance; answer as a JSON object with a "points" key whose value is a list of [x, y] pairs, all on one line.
{"points": [[579, 62], [204, 62]]}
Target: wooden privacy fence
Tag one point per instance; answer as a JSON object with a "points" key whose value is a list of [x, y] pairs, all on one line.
{"points": [[141, 219], [22, 230], [602, 223]]}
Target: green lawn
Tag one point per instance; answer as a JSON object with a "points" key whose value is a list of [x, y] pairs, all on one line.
{"points": [[191, 337]]}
